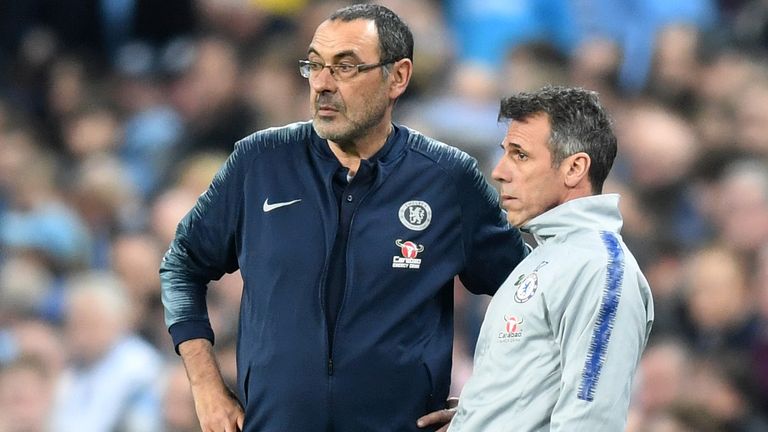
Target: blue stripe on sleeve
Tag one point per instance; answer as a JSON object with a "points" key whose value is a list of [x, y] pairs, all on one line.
{"points": [[607, 316]]}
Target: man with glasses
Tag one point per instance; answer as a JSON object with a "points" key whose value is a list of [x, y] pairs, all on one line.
{"points": [[348, 231]]}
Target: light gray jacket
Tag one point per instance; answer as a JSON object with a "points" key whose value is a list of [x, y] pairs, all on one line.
{"points": [[563, 335]]}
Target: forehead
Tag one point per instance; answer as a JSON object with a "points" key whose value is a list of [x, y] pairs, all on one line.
{"points": [[533, 131], [335, 38]]}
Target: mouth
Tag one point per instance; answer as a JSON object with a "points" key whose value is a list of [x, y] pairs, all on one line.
{"points": [[507, 201], [327, 105], [326, 110]]}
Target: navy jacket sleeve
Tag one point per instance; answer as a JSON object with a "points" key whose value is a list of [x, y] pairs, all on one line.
{"points": [[492, 247], [203, 250]]}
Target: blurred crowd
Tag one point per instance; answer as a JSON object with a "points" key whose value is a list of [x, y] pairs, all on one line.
{"points": [[115, 115]]}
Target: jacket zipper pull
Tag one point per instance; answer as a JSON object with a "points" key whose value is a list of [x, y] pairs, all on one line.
{"points": [[330, 366]]}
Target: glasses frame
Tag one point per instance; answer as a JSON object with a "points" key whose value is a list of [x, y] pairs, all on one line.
{"points": [[305, 68]]}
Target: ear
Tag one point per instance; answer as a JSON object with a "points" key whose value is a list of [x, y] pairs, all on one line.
{"points": [[576, 169], [400, 76]]}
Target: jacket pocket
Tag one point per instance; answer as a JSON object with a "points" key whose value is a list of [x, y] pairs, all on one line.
{"points": [[244, 390], [431, 403]]}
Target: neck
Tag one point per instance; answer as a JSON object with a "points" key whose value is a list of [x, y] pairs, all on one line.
{"points": [[584, 189], [351, 153]]}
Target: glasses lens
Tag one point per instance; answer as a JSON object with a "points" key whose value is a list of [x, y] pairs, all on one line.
{"points": [[304, 68]]}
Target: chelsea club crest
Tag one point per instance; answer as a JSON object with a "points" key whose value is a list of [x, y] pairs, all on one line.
{"points": [[527, 285]]}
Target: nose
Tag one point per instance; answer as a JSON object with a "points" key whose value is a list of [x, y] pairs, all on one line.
{"points": [[500, 173], [322, 81]]}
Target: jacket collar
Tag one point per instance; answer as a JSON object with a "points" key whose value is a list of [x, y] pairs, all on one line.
{"points": [[594, 213], [393, 147]]}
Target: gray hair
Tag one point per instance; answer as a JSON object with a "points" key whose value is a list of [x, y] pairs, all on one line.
{"points": [[395, 38]]}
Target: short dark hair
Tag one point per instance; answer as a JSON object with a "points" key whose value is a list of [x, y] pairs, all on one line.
{"points": [[578, 124], [395, 38]]}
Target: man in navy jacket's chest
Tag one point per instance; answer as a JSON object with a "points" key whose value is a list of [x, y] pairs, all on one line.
{"points": [[348, 231]]}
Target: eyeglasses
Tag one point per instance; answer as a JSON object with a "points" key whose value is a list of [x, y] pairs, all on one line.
{"points": [[341, 71]]}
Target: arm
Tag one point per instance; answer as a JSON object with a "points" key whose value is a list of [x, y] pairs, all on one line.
{"points": [[492, 248], [218, 410], [203, 250], [601, 327]]}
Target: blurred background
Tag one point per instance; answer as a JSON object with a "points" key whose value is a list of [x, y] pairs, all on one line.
{"points": [[115, 114]]}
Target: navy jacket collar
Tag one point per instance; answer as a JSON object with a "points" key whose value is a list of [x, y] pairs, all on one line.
{"points": [[392, 149]]}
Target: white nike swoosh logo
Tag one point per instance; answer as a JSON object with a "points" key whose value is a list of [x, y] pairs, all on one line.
{"points": [[269, 207]]}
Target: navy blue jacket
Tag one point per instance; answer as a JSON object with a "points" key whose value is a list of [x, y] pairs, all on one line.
{"points": [[427, 216]]}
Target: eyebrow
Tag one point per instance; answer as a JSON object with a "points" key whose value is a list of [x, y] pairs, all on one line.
{"points": [[511, 144], [337, 56]]}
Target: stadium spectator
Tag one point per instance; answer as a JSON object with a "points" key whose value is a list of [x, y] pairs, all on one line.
{"points": [[26, 392], [718, 298], [111, 379], [726, 389], [663, 377]]}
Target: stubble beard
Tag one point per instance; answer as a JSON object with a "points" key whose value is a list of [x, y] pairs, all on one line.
{"points": [[345, 135]]}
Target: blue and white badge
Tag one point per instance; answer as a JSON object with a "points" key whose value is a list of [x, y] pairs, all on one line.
{"points": [[527, 285]]}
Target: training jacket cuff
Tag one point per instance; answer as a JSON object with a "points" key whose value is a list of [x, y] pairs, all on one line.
{"points": [[186, 330]]}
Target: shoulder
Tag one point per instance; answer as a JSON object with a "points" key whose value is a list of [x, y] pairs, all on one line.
{"points": [[459, 167], [588, 259], [445, 156], [577, 264], [273, 141], [274, 138]]}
